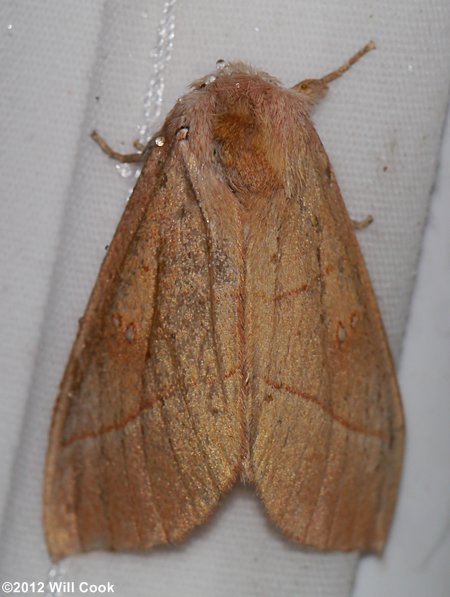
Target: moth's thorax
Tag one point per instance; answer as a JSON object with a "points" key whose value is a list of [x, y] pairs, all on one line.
{"points": [[243, 121]]}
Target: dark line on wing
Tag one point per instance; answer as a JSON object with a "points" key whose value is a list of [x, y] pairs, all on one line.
{"points": [[166, 423], [132, 497], [243, 402], [184, 392], [141, 409], [326, 365], [77, 472], [103, 491], [293, 292], [147, 405], [256, 415], [326, 409], [212, 311]]}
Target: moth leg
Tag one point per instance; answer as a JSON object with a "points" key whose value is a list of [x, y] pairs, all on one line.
{"points": [[115, 155], [314, 89], [138, 145], [361, 224]]}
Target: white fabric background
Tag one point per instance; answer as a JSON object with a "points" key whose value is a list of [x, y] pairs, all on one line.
{"points": [[61, 199]]}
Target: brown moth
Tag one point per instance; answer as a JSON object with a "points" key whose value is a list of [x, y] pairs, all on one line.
{"points": [[232, 334]]}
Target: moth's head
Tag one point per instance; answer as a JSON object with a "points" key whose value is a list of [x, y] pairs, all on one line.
{"points": [[232, 69]]}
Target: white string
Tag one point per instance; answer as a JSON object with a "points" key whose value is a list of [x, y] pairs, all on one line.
{"points": [[161, 54]]}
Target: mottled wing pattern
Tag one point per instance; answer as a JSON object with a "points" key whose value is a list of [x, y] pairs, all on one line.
{"points": [[326, 423], [146, 432]]}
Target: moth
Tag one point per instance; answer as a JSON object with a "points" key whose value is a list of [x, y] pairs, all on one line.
{"points": [[232, 334]]}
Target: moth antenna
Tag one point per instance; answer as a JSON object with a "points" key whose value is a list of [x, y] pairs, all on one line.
{"points": [[349, 63], [316, 88]]}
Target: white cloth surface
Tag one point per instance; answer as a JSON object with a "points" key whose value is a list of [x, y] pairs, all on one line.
{"points": [[417, 556], [67, 67]]}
